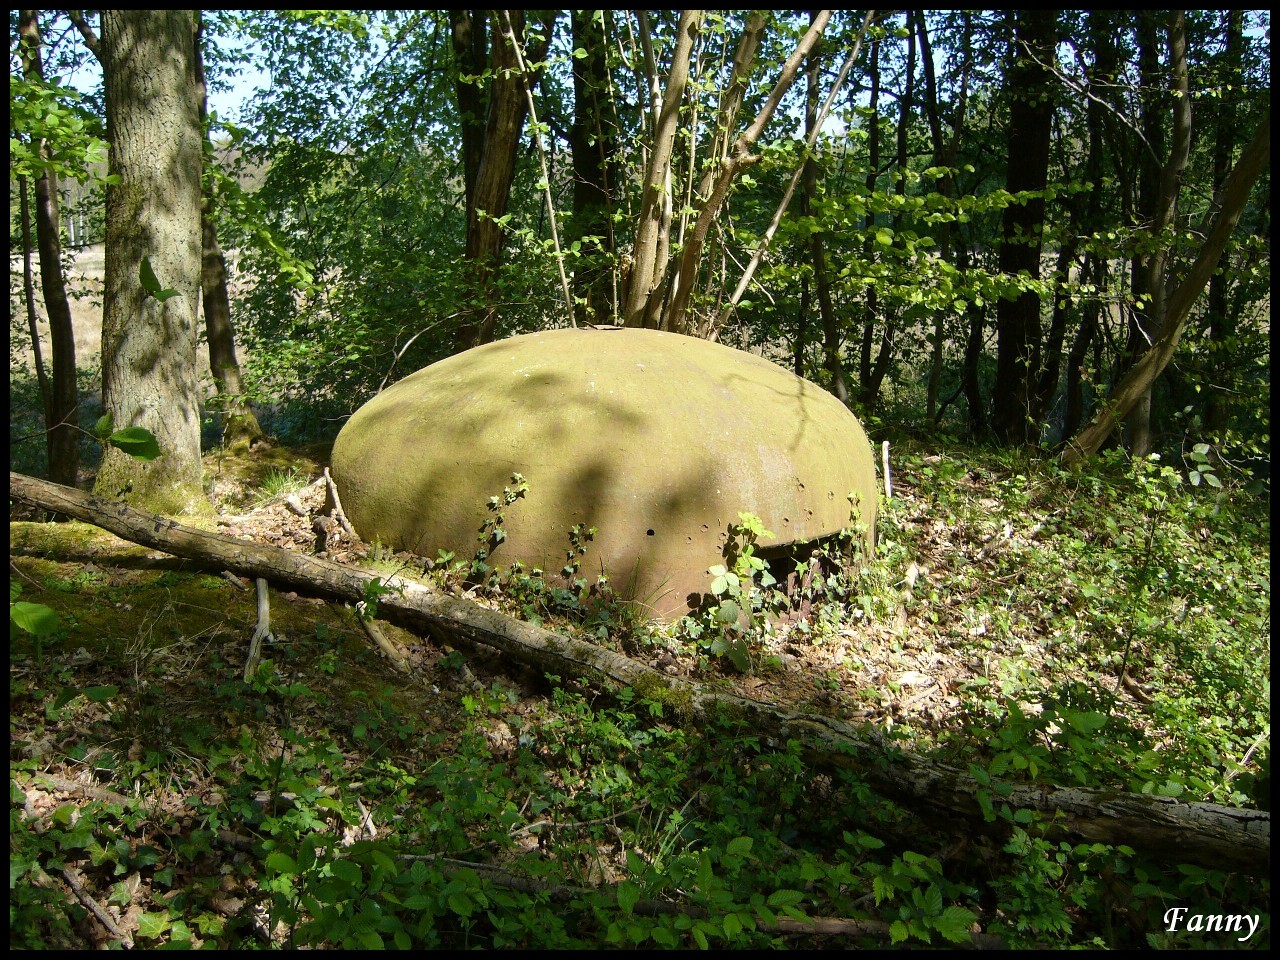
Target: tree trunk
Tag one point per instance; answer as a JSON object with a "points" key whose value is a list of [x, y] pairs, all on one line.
{"points": [[870, 302], [975, 339], [821, 282], [471, 56], [504, 124], [240, 426], [1030, 87], [1157, 207], [29, 300], [740, 157], [149, 375], [802, 320], [1228, 206], [62, 439], [944, 155], [1093, 271], [594, 142], [1222, 319], [1163, 827], [643, 299]]}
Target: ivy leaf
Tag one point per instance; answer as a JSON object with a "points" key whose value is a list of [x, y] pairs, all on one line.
{"points": [[147, 277], [152, 925]]}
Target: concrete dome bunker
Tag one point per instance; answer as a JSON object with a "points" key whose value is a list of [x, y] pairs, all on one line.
{"points": [[657, 440]]}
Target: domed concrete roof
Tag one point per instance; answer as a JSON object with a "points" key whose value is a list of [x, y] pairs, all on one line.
{"points": [[656, 439]]}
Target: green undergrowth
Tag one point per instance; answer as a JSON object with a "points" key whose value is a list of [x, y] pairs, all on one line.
{"points": [[329, 802]]}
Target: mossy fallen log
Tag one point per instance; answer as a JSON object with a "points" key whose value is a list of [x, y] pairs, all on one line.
{"points": [[1164, 828]]}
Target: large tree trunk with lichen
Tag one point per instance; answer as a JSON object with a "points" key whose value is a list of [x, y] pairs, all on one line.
{"points": [[149, 376], [1162, 827]]}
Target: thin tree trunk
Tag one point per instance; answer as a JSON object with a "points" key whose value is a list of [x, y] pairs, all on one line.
{"points": [[869, 392], [728, 170], [1222, 325], [504, 124], [1228, 206], [29, 300], [970, 380], [870, 301], [1093, 271], [643, 301], [594, 142], [241, 429], [1162, 827], [826, 308], [944, 155], [62, 438], [802, 323], [1030, 86], [731, 98]]}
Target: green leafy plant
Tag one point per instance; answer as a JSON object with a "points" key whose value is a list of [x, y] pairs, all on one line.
{"points": [[492, 531], [741, 591]]}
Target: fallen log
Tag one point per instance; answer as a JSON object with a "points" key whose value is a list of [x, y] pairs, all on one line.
{"points": [[1164, 828]]}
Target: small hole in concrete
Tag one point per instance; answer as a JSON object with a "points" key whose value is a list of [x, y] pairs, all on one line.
{"points": [[648, 533]]}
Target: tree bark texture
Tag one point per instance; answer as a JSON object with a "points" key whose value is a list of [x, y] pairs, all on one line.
{"points": [[149, 374], [62, 438], [1030, 86], [1163, 827]]}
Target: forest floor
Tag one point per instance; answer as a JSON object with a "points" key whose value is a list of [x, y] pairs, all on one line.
{"points": [[1007, 610]]}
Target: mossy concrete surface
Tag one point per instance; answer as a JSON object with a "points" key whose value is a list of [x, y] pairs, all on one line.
{"points": [[656, 439]]}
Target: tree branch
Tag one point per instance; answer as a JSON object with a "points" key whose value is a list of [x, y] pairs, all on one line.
{"points": [[86, 33], [1223, 218]]}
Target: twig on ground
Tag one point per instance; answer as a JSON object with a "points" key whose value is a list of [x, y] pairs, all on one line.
{"points": [[374, 633], [261, 632], [95, 908], [335, 505]]}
